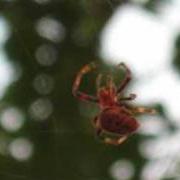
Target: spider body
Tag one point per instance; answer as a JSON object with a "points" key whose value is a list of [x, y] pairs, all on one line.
{"points": [[107, 97], [116, 121], [116, 116]]}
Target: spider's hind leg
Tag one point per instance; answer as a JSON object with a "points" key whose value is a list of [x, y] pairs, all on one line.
{"points": [[116, 141], [100, 134], [126, 79], [143, 110]]}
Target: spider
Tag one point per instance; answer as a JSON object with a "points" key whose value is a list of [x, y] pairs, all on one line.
{"points": [[116, 121]]}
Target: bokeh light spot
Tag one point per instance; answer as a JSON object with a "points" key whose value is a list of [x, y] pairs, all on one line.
{"points": [[164, 146], [5, 31], [11, 119], [152, 125], [46, 55], [43, 84], [51, 29], [41, 109], [156, 169], [122, 170], [7, 74], [130, 35], [21, 149]]}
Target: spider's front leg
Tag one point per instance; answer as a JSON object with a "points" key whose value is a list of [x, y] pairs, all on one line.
{"points": [[75, 90], [126, 79], [116, 141]]}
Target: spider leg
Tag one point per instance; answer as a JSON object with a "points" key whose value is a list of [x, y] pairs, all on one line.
{"points": [[75, 90], [107, 140], [143, 110], [110, 84], [95, 122], [98, 81], [116, 141], [126, 79], [131, 97], [99, 131]]}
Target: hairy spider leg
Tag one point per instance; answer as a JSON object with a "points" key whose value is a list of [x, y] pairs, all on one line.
{"points": [[115, 141], [107, 140], [126, 79], [136, 110], [97, 126], [75, 90], [131, 97], [143, 110], [110, 84], [98, 81]]}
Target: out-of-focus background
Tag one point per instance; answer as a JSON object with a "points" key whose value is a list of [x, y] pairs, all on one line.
{"points": [[47, 134]]}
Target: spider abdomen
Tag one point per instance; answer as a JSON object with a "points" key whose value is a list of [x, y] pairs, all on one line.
{"points": [[116, 121]]}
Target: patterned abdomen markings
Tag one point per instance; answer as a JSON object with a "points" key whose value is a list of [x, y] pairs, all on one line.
{"points": [[116, 121]]}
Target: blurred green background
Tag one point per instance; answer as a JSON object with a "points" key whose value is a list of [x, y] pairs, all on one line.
{"points": [[47, 134]]}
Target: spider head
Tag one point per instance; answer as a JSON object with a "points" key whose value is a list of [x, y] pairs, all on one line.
{"points": [[107, 96], [106, 93]]}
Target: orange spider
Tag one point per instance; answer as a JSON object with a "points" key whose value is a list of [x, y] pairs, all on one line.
{"points": [[116, 117]]}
